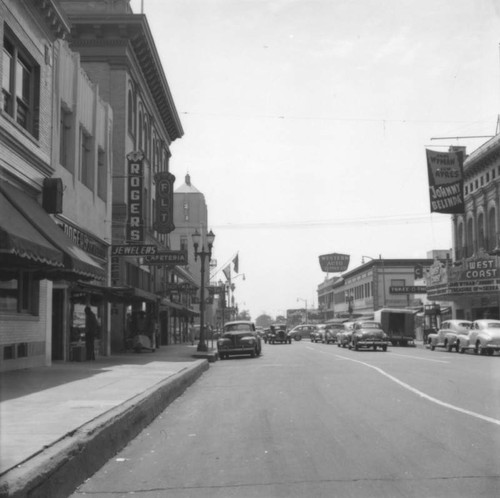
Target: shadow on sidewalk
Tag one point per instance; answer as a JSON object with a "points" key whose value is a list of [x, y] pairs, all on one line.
{"points": [[18, 383]]}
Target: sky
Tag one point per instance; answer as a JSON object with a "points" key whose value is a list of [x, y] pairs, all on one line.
{"points": [[306, 123]]}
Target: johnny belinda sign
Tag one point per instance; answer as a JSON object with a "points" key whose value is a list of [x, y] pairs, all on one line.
{"points": [[446, 184]]}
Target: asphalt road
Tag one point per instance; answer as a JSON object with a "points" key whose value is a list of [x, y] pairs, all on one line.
{"points": [[314, 420]]}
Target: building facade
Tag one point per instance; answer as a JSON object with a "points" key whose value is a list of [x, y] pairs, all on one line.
{"points": [[118, 53], [472, 280], [54, 188], [378, 283]]}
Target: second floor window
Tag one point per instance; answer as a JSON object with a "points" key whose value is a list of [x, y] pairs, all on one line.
{"points": [[20, 84], [86, 169]]}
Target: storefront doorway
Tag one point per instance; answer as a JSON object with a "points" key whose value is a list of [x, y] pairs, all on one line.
{"points": [[58, 324]]}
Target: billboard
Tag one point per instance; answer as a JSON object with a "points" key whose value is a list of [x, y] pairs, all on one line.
{"points": [[446, 184], [334, 262]]}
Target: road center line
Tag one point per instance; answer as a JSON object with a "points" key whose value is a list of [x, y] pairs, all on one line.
{"points": [[423, 395]]}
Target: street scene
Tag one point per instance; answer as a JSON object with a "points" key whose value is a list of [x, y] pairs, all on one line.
{"points": [[308, 419], [249, 248]]}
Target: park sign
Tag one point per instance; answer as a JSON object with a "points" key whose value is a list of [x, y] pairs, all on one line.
{"points": [[334, 262]]}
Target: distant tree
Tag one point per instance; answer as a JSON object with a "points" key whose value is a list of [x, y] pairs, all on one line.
{"points": [[281, 318], [263, 320], [244, 315]]}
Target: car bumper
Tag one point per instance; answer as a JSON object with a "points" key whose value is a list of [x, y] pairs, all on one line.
{"points": [[236, 350], [371, 342]]}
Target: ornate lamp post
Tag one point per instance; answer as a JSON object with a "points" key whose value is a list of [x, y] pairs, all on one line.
{"points": [[203, 253]]}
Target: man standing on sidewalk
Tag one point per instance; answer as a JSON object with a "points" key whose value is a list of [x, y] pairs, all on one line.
{"points": [[91, 331]]}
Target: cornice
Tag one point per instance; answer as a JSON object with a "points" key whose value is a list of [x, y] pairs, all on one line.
{"points": [[118, 30], [55, 17]]}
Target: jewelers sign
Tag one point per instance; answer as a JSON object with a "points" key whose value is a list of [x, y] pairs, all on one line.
{"points": [[135, 226], [446, 184], [334, 262]]}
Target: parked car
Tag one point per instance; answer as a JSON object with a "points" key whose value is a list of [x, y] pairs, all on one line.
{"points": [[260, 332], [446, 336], [239, 337], [344, 336], [483, 337], [368, 334], [278, 333], [318, 333], [332, 330], [301, 331]]}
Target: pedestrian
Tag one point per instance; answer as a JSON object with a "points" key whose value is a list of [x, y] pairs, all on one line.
{"points": [[191, 333], [91, 332]]}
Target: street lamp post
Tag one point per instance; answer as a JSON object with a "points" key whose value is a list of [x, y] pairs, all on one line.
{"points": [[305, 301], [203, 254]]}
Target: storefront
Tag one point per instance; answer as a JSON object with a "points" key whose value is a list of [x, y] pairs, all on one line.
{"points": [[472, 284], [39, 267]]}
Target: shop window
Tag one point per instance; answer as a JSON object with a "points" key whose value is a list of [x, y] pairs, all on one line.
{"points": [[20, 84], [19, 295]]}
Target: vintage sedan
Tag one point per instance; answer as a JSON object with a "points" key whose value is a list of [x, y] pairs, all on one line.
{"points": [[278, 333], [368, 334], [332, 330], [446, 337], [482, 338], [318, 333], [239, 337], [300, 331], [344, 336]]}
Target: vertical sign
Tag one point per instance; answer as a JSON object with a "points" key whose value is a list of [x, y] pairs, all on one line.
{"points": [[164, 222], [135, 225], [446, 184]]}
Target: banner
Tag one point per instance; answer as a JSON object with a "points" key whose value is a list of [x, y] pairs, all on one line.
{"points": [[334, 262], [446, 184], [164, 216]]}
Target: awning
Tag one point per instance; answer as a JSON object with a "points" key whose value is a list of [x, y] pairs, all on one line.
{"points": [[21, 245], [76, 261]]}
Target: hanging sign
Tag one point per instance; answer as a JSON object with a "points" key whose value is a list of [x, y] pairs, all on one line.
{"points": [[135, 179], [446, 184], [164, 221]]}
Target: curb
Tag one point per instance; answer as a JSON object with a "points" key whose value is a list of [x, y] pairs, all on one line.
{"points": [[61, 467]]}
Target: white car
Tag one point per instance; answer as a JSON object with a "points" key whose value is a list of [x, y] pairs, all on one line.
{"points": [[483, 337], [446, 336]]}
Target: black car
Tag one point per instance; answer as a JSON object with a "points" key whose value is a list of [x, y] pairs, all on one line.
{"points": [[278, 333], [239, 338]]}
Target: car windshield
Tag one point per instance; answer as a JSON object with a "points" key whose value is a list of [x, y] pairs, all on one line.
{"points": [[493, 325], [465, 325], [233, 327]]}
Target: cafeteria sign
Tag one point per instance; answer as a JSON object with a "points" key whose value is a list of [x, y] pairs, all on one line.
{"points": [[334, 262]]}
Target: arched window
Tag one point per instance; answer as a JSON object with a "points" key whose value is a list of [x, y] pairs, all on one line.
{"points": [[469, 248], [492, 228], [146, 135], [460, 241], [140, 131], [481, 240], [131, 112]]}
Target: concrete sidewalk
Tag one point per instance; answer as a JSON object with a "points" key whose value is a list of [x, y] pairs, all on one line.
{"points": [[59, 424]]}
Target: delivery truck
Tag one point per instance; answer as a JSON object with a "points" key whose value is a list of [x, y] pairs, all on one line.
{"points": [[398, 324]]}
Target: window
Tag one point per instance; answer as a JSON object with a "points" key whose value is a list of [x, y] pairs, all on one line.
{"points": [[480, 232], [398, 282], [20, 84], [19, 295], [102, 191], [131, 113], [86, 169], [492, 229], [64, 139]]}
